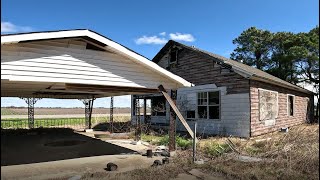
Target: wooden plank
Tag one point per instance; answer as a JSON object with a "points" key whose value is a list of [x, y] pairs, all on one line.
{"points": [[176, 110], [108, 88]]}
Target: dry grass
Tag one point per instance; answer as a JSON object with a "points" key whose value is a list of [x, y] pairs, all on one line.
{"points": [[292, 155]]}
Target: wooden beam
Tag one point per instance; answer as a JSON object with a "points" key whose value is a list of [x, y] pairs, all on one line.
{"points": [[176, 110], [102, 88]]}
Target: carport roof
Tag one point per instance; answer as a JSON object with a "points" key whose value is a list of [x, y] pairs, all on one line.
{"points": [[92, 36], [80, 90]]}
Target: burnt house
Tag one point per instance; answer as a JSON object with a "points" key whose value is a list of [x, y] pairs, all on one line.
{"points": [[228, 97]]}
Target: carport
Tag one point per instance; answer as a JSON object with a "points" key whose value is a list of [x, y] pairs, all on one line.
{"points": [[80, 64]]}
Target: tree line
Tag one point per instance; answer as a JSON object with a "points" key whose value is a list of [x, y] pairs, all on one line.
{"points": [[293, 57]]}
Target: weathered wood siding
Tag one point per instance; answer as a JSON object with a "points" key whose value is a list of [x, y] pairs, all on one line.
{"points": [[234, 111], [68, 61], [302, 102], [201, 69]]}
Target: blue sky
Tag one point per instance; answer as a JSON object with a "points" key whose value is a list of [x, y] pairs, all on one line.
{"points": [[144, 26]]}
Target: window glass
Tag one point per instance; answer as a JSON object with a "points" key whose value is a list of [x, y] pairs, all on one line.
{"points": [[202, 112], [191, 114], [209, 105], [214, 112], [213, 98]]}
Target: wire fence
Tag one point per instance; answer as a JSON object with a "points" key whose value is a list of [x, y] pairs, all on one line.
{"points": [[76, 123]]}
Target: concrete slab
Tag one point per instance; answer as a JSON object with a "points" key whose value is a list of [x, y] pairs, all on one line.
{"points": [[72, 168]]}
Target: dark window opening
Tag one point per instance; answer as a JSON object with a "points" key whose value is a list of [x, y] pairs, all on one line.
{"points": [[158, 106], [290, 105], [173, 56], [202, 112], [213, 112], [214, 98], [191, 114]]}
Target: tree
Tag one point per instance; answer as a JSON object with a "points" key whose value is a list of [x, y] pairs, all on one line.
{"points": [[253, 47], [288, 56], [307, 55], [282, 61]]}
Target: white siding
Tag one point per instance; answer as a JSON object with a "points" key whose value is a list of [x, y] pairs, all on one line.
{"points": [[234, 112], [68, 61]]}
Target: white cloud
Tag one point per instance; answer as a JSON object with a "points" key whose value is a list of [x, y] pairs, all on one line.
{"points": [[162, 38], [182, 37], [150, 40], [8, 27], [162, 33]]}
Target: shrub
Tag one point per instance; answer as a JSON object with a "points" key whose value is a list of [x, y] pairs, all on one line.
{"points": [[183, 143]]}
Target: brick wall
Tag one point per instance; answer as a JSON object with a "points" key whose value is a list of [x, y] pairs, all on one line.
{"points": [[303, 108]]}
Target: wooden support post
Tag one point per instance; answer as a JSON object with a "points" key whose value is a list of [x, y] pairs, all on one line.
{"points": [[172, 124], [176, 110]]}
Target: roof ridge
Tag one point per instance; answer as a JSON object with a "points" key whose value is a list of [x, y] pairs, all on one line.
{"points": [[249, 69]]}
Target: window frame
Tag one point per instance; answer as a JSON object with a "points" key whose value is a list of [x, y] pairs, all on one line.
{"points": [[261, 89], [293, 105], [207, 105]]}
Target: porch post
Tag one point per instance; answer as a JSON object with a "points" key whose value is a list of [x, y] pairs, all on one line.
{"points": [[30, 102], [172, 124], [88, 103], [138, 121], [145, 110], [111, 114]]}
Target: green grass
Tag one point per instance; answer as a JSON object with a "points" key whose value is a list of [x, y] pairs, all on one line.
{"points": [[51, 122], [216, 149], [164, 140]]}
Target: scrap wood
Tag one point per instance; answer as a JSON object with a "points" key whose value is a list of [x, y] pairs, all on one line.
{"points": [[232, 146]]}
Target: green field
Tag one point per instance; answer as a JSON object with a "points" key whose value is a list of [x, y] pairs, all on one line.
{"points": [[59, 122]]}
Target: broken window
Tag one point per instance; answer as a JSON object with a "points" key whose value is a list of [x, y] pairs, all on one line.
{"points": [[158, 106], [173, 56], [290, 105], [209, 105], [268, 104]]}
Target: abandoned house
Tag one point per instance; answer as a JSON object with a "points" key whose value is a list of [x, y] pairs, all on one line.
{"points": [[227, 97]]}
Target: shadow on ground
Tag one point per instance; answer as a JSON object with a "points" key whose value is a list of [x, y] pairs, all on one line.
{"points": [[23, 146], [118, 127]]}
